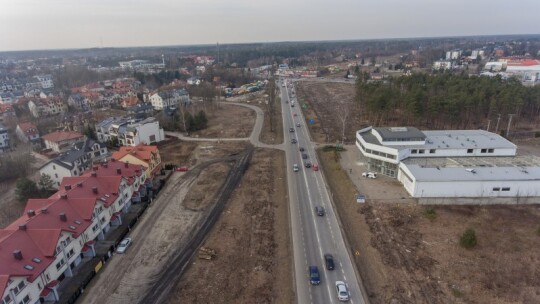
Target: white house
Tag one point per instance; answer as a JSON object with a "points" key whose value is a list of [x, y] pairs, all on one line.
{"points": [[27, 132], [62, 140], [4, 137], [147, 132], [40, 107], [442, 65], [169, 98]]}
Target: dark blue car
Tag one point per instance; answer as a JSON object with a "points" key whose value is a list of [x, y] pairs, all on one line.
{"points": [[314, 277]]}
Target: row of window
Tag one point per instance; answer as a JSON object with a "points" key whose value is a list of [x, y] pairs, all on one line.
{"points": [[422, 151], [481, 151], [374, 152], [501, 189]]}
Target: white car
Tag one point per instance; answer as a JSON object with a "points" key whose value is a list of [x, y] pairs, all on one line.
{"points": [[342, 291], [295, 168], [123, 246], [369, 174]]}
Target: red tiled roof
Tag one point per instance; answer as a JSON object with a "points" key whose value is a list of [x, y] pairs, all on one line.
{"points": [[4, 108], [60, 136], [28, 128], [140, 151], [128, 171], [527, 62], [106, 186]]}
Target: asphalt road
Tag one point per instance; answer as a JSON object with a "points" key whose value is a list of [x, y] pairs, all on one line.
{"points": [[313, 236]]}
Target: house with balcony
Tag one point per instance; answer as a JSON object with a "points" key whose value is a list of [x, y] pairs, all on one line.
{"points": [[60, 141], [147, 131], [40, 107], [169, 98], [147, 156]]}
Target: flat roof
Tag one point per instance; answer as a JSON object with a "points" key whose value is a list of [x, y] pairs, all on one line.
{"points": [[396, 133], [475, 168]]}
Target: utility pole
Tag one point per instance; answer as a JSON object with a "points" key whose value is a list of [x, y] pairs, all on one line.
{"points": [[497, 127], [489, 123], [509, 123]]}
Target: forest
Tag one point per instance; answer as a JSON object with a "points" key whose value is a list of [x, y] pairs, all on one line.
{"points": [[449, 101]]}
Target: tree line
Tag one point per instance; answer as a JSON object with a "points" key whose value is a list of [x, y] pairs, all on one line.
{"points": [[447, 101]]}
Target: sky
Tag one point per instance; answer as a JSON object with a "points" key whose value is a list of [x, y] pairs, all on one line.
{"points": [[57, 24]]}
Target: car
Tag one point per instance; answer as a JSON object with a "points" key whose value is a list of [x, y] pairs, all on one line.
{"points": [[286, 101], [307, 165], [314, 277], [342, 291], [182, 169], [291, 129], [293, 141], [369, 174], [295, 168], [298, 124], [123, 246], [319, 210], [294, 114], [301, 149], [329, 261], [292, 105], [304, 156], [315, 167]]}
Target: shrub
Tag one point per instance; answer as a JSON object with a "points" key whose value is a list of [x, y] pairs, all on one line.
{"points": [[468, 239], [430, 213]]}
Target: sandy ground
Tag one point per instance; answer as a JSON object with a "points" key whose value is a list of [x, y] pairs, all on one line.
{"points": [[406, 256], [251, 240], [228, 121]]}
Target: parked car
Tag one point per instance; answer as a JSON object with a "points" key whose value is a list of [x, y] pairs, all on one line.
{"points": [[342, 291], [315, 167], [293, 141], [307, 165], [369, 174], [182, 169], [295, 168], [314, 277], [329, 261], [304, 156], [319, 210], [123, 246]]}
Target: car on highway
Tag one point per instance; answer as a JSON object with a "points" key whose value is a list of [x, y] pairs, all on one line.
{"points": [[342, 291], [124, 245], [301, 149], [294, 114], [293, 141], [307, 165], [292, 105], [329, 261], [369, 174], [291, 129], [298, 124], [319, 210], [304, 156], [314, 277], [315, 167], [295, 168]]}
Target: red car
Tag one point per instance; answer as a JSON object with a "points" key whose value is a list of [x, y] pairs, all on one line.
{"points": [[315, 167], [182, 169], [294, 114]]}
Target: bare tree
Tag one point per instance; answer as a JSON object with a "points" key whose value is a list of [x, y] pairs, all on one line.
{"points": [[342, 110], [271, 93]]}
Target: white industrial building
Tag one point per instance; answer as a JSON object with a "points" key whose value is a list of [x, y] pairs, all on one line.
{"points": [[451, 163]]}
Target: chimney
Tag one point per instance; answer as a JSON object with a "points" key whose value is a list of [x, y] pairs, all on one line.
{"points": [[67, 187], [105, 165], [63, 196], [63, 217], [94, 173], [113, 160], [95, 190], [17, 254], [22, 227], [94, 168], [126, 165], [79, 185], [119, 171], [44, 210], [31, 213]]}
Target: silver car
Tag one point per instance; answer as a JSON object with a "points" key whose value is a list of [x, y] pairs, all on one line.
{"points": [[342, 291], [123, 246]]}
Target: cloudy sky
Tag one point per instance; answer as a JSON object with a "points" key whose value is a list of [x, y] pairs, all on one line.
{"points": [[46, 24]]}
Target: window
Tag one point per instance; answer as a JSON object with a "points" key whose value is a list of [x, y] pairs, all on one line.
{"points": [[25, 300], [60, 264], [56, 175], [421, 151], [414, 151], [432, 151], [483, 151], [496, 189], [47, 277], [54, 167], [70, 253], [95, 228], [152, 138], [7, 299], [470, 150], [505, 189], [490, 150], [17, 289]]}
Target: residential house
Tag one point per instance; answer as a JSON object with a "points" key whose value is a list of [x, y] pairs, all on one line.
{"points": [[130, 101], [40, 107], [111, 127], [194, 81], [442, 65], [141, 110], [169, 98], [60, 141], [147, 156], [74, 161], [7, 97], [4, 138], [146, 131], [27, 132], [6, 110], [49, 241]]}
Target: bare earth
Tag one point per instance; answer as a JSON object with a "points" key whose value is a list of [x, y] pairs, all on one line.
{"points": [[405, 257], [228, 121]]}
